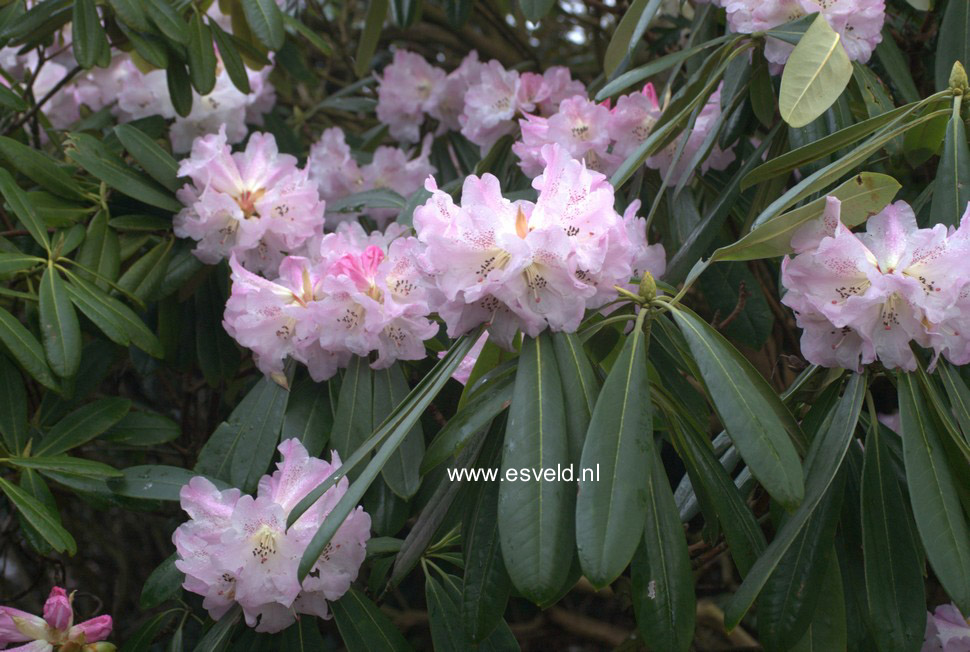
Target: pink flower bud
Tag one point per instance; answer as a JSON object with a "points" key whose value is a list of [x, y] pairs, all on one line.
{"points": [[57, 610], [94, 630]]}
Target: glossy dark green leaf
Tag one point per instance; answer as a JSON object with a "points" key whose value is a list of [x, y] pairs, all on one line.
{"points": [[66, 465], [143, 278], [168, 20], [959, 395], [40, 518], [316, 39], [376, 13], [179, 87], [611, 508], [758, 423], [23, 209], [933, 492], [628, 33], [156, 482], [143, 429], [353, 419], [309, 416], [141, 638], [231, 59], [100, 252], [827, 630], [241, 448], [13, 407], [87, 35], [444, 613], [219, 635], [486, 584], [663, 583], [362, 626], [164, 583], [216, 352], [94, 157], [822, 462], [266, 21], [405, 12], [131, 12], [953, 42], [202, 56], [536, 517], [401, 471], [11, 100], [40, 168], [893, 570], [580, 388], [951, 191], [116, 320], [60, 330], [25, 348], [82, 425], [158, 163]]}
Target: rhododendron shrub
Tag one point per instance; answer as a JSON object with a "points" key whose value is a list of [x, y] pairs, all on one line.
{"points": [[408, 325]]}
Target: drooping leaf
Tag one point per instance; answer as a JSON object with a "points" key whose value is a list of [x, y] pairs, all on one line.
{"points": [[158, 163], [580, 388], [164, 583], [202, 56], [156, 482], [13, 407], [23, 209], [536, 10], [486, 585], [59, 325], [376, 13], [40, 168], [40, 517], [362, 626], [82, 425], [266, 21], [401, 472], [309, 416], [628, 33], [87, 36], [25, 349], [953, 42], [951, 192]]}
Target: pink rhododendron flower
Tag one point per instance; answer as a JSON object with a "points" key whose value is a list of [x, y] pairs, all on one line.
{"points": [[862, 297], [467, 364], [236, 548], [338, 175], [256, 204], [632, 120], [946, 630], [858, 22], [490, 106], [706, 122], [523, 265], [450, 99], [580, 127], [56, 630], [407, 89]]}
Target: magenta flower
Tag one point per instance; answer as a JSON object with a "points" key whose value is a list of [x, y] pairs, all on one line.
{"points": [[946, 630], [256, 204], [56, 630], [236, 548]]}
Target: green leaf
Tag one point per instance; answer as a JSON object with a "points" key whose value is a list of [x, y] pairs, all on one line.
{"points": [[218, 636], [23, 209], [893, 569], [87, 36], [143, 429], [376, 13], [11, 100], [628, 33], [405, 12], [663, 582], [67, 465], [25, 348], [145, 275], [132, 13], [827, 630], [580, 388], [476, 414], [822, 462], [933, 492], [353, 421], [266, 21], [953, 42], [486, 584], [83, 425], [309, 416], [202, 56], [58, 324], [142, 638], [216, 352], [377, 198], [863, 195], [94, 157], [156, 482], [164, 584], [158, 163], [115, 319], [307, 33], [233, 63], [535, 516], [401, 472], [241, 448], [179, 88], [959, 395], [40, 517], [13, 407], [611, 508], [168, 21], [816, 73], [363, 627], [951, 191], [40, 168], [536, 10], [100, 252], [758, 423]]}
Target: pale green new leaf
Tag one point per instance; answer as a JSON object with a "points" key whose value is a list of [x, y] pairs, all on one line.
{"points": [[817, 72]]}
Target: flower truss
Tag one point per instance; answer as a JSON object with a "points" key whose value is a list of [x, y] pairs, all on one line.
{"points": [[946, 630], [237, 549], [864, 297]]}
